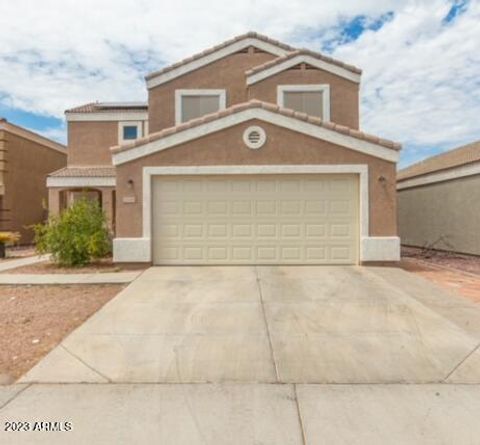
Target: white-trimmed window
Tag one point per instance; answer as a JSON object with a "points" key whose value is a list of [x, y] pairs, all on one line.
{"points": [[190, 104], [313, 100], [129, 131]]}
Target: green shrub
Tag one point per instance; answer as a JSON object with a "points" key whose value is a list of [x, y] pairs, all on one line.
{"points": [[75, 237]]}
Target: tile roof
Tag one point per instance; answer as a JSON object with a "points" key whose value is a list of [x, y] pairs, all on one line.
{"points": [[84, 171], [218, 47], [300, 52], [453, 158], [98, 107], [257, 104]]}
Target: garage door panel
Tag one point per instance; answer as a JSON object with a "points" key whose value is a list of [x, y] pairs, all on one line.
{"points": [[264, 219]]}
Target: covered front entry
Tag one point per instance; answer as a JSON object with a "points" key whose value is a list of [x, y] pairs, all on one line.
{"points": [[60, 199], [255, 219]]}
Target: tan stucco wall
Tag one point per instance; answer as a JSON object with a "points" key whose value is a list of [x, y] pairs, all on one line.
{"points": [[89, 142], [446, 210], [28, 164], [227, 73], [282, 147], [344, 106]]}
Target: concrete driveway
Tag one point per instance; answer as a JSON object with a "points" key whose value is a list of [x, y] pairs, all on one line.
{"points": [[273, 325], [214, 355]]}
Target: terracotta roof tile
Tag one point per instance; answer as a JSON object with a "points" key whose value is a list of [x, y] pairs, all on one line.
{"points": [[216, 48], [453, 158], [249, 105], [86, 171], [300, 52], [98, 107]]}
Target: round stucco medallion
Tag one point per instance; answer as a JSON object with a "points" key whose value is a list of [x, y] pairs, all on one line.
{"points": [[254, 137]]}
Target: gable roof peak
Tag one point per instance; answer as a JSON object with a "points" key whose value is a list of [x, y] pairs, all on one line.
{"points": [[234, 44], [303, 52]]}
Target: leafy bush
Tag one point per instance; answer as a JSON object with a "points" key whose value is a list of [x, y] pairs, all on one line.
{"points": [[9, 237], [75, 237]]}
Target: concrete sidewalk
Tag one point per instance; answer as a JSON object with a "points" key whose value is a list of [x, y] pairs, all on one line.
{"points": [[13, 264], [79, 278], [244, 414]]}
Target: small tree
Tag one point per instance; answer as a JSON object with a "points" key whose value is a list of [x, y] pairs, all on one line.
{"points": [[75, 237]]}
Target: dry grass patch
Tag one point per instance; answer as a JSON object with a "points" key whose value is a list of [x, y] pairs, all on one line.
{"points": [[457, 272], [35, 319]]}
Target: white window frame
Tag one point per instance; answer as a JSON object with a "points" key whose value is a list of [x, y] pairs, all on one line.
{"points": [[323, 88], [123, 124], [222, 101]]}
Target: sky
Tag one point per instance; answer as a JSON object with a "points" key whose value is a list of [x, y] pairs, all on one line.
{"points": [[420, 58]]}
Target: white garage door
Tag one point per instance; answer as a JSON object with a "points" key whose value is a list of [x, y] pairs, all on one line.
{"points": [[255, 219]]}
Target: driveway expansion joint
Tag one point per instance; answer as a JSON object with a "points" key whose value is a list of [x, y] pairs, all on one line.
{"points": [[461, 362], [11, 399], [267, 328], [299, 413], [83, 362]]}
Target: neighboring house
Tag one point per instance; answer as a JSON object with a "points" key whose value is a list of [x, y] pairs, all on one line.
{"points": [[26, 158], [92, 130], [247, 153], [439, 201]]}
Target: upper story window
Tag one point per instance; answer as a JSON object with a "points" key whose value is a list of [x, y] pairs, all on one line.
{"points": [[131, 130], [313, 100], [190, 104]]}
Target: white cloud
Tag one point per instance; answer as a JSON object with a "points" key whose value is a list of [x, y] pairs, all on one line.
{"points": [[419, 76], [57, 134], [421, 82]]}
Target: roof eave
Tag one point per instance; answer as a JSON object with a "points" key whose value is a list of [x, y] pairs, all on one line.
{"points": [[289, 119], [216, 53]]}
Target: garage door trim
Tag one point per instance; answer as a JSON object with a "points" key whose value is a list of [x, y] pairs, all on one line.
{"points": [[360, 169]]}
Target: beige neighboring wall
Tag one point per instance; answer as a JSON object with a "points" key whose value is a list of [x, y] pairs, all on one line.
{"points": [[447, 210], [89, 142], [227, 73], [283, 146], [344, 94], [3, 163], [28, 162]]}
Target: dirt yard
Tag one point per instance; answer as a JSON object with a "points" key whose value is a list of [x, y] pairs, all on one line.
{"points": [[34, 319], [450, 270], [101, 266]]}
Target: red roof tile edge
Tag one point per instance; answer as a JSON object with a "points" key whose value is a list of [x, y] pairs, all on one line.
{"points": [[300, 52], [84, 171], [257, 104], [218, 47], [95, 107]]}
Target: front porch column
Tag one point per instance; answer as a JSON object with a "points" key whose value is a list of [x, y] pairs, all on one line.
{"points": [[107, 206], [53, 201]]}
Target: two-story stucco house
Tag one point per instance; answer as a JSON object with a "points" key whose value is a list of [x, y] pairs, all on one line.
{"points": [[247, 153]]}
